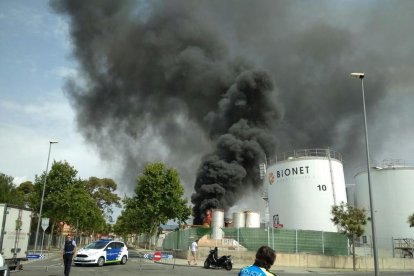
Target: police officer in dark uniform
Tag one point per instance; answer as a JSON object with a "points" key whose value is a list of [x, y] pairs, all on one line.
{"points": [[68, 252]]}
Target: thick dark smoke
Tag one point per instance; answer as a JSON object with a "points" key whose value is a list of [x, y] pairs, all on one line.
{"points": [[244, 119], [233, 82]]}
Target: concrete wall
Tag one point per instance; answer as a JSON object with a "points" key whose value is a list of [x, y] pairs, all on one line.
{"points": [[312, 261]]}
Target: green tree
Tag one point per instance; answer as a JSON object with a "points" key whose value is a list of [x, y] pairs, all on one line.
{"points": [[9, 193], [411, 220], [67, 199], [24, 192], [351, 220], [102, 190], [60, 178], [82, 210], [6, 188], [121, 227], [158, 198]]}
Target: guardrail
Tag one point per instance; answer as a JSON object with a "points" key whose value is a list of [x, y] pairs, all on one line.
{"points": [[309, 153]]}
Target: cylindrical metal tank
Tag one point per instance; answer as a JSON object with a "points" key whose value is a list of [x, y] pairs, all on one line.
{"points": [[392, 193], [217, 233], [217, 218], [239, 220], [252, 219], [303, 185], [217, 222], [350, 194], [228, 222]]}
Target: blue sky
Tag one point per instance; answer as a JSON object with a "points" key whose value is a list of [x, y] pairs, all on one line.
{"points": [[36, 58]]}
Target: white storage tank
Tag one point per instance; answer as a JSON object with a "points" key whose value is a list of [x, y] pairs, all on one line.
{"points": [[350, 194], [392, 194], [303, 185], [217, 222], [239, 220], [252, 219]]}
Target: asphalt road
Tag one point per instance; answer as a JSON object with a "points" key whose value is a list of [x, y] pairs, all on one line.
{"points": [[53, 267]]}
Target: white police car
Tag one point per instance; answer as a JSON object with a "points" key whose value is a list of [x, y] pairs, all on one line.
{"points": [[101, 252]]}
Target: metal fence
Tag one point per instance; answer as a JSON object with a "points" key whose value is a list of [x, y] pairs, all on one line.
{"points": [[328, 153], [150, 260], [49, 242], [282, 240]]}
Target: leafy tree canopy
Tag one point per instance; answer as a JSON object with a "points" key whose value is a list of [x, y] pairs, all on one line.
{"points": [[9, 193], [158, 198], [6, 188], [102, 191], [411, 220], [67, 198], [26, 187], [23, 192], [350, 219], [82, 210]]}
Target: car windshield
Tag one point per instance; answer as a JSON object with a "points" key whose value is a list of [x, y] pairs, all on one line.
{"points": [[96, 245]]}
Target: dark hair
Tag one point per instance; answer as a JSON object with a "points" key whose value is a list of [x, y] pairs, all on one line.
{"points": [[265, 257]]}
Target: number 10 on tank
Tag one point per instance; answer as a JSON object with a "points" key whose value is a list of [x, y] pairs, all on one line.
{"points": [[322, 188]]}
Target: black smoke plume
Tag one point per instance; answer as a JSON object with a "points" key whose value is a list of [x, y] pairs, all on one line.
{"points": [[244, 120], [230, 82]]}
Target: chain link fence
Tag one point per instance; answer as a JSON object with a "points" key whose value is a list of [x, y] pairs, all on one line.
{"points": [[282, 240], [49, 242]]}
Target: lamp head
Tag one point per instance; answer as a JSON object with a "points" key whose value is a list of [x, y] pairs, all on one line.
{"points": [[53, 142], [358, 75]]}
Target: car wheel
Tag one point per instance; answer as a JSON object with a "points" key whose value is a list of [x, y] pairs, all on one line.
{"points": [[101, 261], [124, 259]]}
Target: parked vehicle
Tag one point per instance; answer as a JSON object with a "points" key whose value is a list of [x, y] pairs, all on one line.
{"points": [[14, 234], [214, 261], [101, 252], [4, 268]]}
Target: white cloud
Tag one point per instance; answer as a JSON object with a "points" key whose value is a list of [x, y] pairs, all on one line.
{"points": [[65, 72], [25, 141], [61, 30], [18, 180], [40, 111], [24, 153]]}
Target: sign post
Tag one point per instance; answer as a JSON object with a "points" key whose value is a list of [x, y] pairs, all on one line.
{"points": [[45, 225]]}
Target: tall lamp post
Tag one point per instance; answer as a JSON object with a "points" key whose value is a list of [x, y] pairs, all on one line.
{"points": [[371, 203], [43, 195]]}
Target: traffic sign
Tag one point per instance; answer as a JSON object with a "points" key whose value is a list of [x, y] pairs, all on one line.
{"points": [[157, 256], [45, 223], [35, 256]]}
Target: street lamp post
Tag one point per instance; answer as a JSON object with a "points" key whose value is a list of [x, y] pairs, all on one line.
{"points": [[371, 203], [43, 195]]}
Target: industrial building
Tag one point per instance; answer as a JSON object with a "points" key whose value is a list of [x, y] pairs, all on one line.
{"points": [[392, 191], [300, 189], [303, 186]]}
